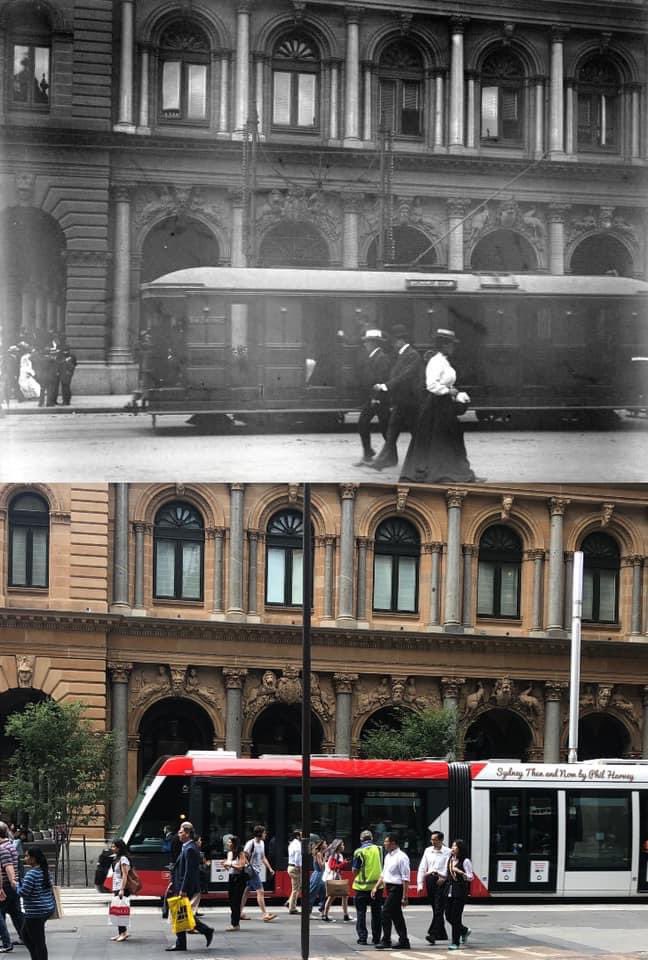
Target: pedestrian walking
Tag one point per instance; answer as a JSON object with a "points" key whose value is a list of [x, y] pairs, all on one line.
{"points": [[374, 369], [395, 877], [121, 866], [255, 852], [185, 881], [402, 390], [316, 888], [38, 899], [294, 870], [437, 452], [335, 863], [9, 899], [66, 365], [235, 863], [431, 877], [460, 873], [367, 867]]}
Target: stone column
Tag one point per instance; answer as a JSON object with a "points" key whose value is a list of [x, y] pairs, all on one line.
{"points": [[145, 66], [644, 725], [556, 109], [352, 203], [452, 593], [537, 556], [352, 78], [439, 112], [567, 591], [334, 99], [556, 576], [233, 678], [259, 72], [539, 116], [329, 576], [120, 351], [345, 582], [635, 124], [119, 675], [238, 255], [223, 100], [140, 530], [51, 315], [450, 689], [469, 551], [41, 312], [552, 696], [125, 122], [343, 683], [457, 207], [361, 600], [557, 214], [218, 536], [120, 602], [235, 595], [253, 540], [570, 119], [470, 110], [27, 306], [637, 595], [434, 617], [367, 74], [242, 66], [456, 119]]}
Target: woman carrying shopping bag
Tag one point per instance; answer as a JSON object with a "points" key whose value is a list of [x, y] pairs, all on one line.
{"points": [[335, 862], [119, 909], [38, 902]]}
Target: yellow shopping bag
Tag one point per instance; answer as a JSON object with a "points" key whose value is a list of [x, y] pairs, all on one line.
{"points": [[181, 914]]}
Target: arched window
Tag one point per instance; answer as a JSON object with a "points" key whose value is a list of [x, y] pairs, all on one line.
{"points": [[295, 73], [184, 73], [28, 541], [502, 90], [400, 85], [498, 578], [284, 559], [179, 538], [30, 40], [598, 105], [600, 578], [396, 566]]}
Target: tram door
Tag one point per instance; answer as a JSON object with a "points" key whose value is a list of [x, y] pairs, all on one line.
{"points": [[523, 840], [643, 842]]}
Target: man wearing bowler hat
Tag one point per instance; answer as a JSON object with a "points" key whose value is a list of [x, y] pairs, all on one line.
{"points": [[403, 390], [375, 369]]}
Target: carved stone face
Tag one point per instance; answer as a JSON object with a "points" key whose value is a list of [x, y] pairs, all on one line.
{"points": [[604, 697], [269, 680]]}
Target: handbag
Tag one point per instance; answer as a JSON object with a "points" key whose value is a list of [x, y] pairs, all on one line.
{"points": [[181, 914], [133, 882], [57, 913], [337, 888]]}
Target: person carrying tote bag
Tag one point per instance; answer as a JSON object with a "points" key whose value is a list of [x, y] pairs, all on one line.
{"points": [[38, 902], [335, 886], [119, 910]]}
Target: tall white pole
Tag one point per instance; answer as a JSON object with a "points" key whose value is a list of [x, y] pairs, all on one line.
{"points": [[574, 672]]}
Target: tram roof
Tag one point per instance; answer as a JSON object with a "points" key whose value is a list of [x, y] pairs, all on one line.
{"points": [[218, 765], [260, 280]]}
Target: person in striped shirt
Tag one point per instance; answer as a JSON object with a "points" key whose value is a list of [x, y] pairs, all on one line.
{"points": [[38, 901]]}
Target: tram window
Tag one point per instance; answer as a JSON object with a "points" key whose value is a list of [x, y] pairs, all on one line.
{"points": [[168, 808], [598, 831], [330, 815], [541, 812], [383, 812], [507, 825], [256, 809], [220, 822]]}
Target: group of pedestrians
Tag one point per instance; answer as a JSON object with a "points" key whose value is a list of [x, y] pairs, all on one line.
{"points": [[406, 392], [38, 366], [26, 896]]}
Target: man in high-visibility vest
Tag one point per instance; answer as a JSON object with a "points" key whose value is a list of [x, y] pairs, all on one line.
{"points": [[367, 867]]}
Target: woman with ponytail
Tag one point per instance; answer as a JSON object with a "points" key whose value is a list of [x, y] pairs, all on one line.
{"points": [[38, 902]]}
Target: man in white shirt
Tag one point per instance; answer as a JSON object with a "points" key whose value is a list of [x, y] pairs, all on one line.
{"points": [[432, 876], [395, 879], [294, 870]]}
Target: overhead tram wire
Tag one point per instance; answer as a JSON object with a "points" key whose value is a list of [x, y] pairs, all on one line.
{"points": [[307, 587]]}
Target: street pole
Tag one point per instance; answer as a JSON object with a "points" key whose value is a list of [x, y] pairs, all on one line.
{"points": [[307, 584], [574, 672]]}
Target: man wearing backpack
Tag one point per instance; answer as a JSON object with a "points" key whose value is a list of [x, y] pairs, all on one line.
{"points": [[367, 866]]}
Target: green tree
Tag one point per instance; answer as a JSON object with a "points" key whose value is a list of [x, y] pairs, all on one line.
{"points": [[59, 771], [430, 733]]}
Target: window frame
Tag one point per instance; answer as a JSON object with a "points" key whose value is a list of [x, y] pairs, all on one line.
{"points": [[498, 559], [398, 77], [179, 538], [598, 93], [516, 84], [186, 59], [594, 566], [295, 68], [26, 521], [32, 35], [396, 551], [288, 544]]}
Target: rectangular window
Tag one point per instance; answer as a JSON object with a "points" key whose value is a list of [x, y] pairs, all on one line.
{"points": [[489, 113], [276, 572], [19, 557], [485, 589], [197, 91], [281, 98], [383, 811], [191, 573], [382, 582], [39, 557], [171, 88], [411, 115], [221, 822], [588, 595], [506, 824], [510, 114], [387, 105], [407, 584], [330, 814], [164, 568], [607, 596], [297, 591], [306, 100], [509, 590], [598, 831]]}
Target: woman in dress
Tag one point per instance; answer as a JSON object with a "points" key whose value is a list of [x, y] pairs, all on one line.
{"points": [[460, 873], [38, 902], [235, 864], [335, 862], [437, 453], [121, 866]]}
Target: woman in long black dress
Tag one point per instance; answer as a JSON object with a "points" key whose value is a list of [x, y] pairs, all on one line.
{"points": [[437, 453]]}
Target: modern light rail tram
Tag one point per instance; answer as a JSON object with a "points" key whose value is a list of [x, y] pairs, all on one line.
{"points": [[534, 830], [255, 340]]}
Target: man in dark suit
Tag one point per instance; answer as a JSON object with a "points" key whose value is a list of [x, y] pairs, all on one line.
{"points": [[185, 881], [374, 368], [403, 390]]}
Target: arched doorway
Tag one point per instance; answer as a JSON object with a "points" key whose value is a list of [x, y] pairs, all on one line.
{"points": [[293, 244], [595, 256], [497, 734], [278, 730], [175, 244], [403, 254], [12, 701], [173, 726], [504, 251], [32, 263], [600, 735]]}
